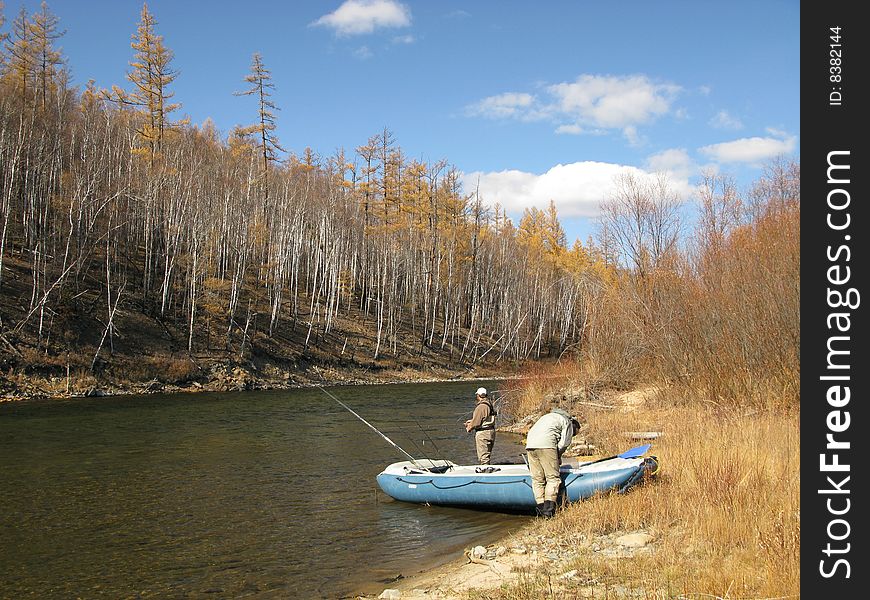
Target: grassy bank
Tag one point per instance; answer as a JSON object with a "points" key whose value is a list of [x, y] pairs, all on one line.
{"points": [[724, 512], [720, 520]]}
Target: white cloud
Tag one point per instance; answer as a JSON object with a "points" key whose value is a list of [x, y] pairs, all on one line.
{"points": [[725, 120], [779, 133], [356, 17], [572, 129], [674, 160], [678, 165], [577, 189], [754, 150], [363, 53], [613, 102], [404, 39], [503, 106], [632, 136], [588, 105]]}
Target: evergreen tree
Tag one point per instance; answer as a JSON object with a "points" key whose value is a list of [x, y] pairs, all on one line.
{"points": [[260, 80]]}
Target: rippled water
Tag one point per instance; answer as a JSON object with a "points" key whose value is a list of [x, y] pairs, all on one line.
{"points": [[230, 495]]}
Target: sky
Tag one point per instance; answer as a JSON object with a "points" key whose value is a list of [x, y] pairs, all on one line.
{"points": [[531, 102]]}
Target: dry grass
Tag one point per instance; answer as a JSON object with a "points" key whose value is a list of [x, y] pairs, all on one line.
{"points": [[167, 369], [32, 360], [717, 334], [530, 394], [724, 513]]}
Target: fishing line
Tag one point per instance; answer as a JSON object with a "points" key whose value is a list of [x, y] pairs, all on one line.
{"points": [[426, 433], [419, 448], [373, 428], [431, 441]]}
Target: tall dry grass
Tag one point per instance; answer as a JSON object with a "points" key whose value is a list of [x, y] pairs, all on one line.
{"points": [[724, 513], [535, 387]]}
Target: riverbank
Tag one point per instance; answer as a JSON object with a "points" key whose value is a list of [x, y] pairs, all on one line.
{"points": [[521, 555], [511, 561], [232, 377], [722, 518], [148, 354]]}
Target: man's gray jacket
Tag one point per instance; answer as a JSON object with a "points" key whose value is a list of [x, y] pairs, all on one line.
{"points": [[553, 430]]}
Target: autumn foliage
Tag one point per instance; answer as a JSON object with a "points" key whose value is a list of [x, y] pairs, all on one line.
{"points": [[109, 209], [112, 209], [719, 319]]}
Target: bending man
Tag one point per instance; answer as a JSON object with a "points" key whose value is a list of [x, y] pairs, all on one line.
{"points": [[548, 438]]}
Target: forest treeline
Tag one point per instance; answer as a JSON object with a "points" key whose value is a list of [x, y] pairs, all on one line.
{"points": [[111, 206]]}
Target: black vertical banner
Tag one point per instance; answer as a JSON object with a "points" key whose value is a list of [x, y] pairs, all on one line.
{"points": [[834, 264]]}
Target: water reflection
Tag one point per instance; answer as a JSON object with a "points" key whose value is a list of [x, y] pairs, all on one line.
{"points": [[267, 494]]}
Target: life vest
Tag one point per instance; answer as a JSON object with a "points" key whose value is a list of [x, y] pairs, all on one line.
{"points": [[489, 422]]}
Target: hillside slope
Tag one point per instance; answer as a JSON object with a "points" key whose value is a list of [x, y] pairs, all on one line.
{"points": [[146, 352]]}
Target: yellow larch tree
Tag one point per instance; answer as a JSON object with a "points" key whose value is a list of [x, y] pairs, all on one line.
{"points": [[3, 37], [49, 71], [151, 76], [530, 232], [368, 177], [20, 60]]}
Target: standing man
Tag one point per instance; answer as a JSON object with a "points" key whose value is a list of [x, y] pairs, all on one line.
{"points": [[548, 438], [482, 423]]}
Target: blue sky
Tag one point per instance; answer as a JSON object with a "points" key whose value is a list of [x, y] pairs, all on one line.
{"points": [[531, 101]]}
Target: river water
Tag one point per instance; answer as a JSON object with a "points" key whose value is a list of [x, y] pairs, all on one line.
{"points": [[267, 494]]}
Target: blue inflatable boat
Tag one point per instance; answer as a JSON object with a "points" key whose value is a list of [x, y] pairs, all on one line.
{"points": [[509, 487]]}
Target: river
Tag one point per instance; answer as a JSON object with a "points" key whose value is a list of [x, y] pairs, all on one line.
{"points": [[267, 494]]}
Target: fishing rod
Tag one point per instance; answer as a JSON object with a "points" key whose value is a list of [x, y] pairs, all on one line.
{"points": [[422, 447], [431, 441], [373, 428]]}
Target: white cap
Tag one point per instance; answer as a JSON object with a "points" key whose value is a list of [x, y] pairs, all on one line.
{"points": [[481, 391]]}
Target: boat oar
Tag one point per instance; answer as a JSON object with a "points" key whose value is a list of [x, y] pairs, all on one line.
{"points": [[373, 428], [635, 452]]}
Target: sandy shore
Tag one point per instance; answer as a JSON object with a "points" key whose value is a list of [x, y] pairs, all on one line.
{"points": [[523, 555], [503, 561]]}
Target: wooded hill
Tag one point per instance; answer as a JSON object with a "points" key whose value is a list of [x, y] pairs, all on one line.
{"points": [[121, 226], [136, 247]]}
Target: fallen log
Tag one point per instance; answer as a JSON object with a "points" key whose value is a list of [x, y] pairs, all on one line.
{"points": [[643, 435]]}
